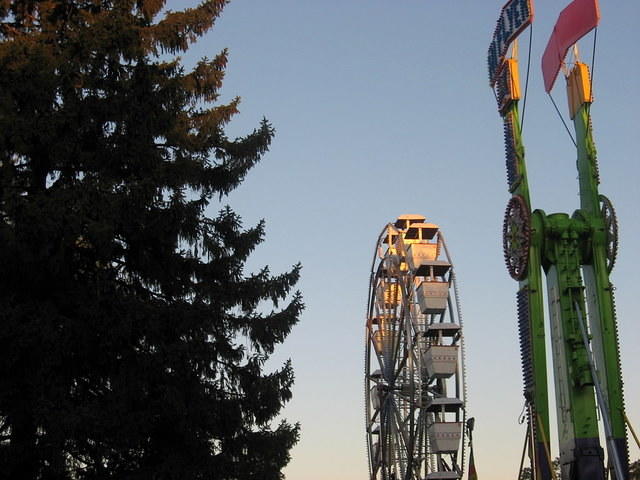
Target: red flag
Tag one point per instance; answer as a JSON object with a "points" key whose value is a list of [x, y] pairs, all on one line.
{"points": [[574, 22]]}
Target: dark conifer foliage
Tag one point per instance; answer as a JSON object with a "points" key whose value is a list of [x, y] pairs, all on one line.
{"points": [[132, 341]]}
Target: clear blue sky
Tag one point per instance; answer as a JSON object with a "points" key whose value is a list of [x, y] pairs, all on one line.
{"points": [[383, 108]]}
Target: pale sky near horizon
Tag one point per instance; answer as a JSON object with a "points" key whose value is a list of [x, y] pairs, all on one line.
{"points": [[383, 108]]}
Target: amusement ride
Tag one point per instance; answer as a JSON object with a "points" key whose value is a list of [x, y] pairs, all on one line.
{"points": [[415, 386], [576, 253]]}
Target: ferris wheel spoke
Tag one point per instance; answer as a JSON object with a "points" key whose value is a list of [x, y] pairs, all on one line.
{"points": [[400, 424], [401, 449]]}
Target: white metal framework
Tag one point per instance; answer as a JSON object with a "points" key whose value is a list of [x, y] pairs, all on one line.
{"points": [[415, 388]]}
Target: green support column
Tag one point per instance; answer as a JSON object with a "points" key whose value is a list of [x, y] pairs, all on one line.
{"points": [[588, 176], [529, 299], [538, 345], [581, 456], [599, 291]]}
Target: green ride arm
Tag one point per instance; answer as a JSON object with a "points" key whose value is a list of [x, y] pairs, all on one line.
{"points": [[530, 311], [599, 290]]}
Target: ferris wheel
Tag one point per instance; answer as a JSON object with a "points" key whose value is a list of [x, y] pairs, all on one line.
{"points": [[415, 390]]}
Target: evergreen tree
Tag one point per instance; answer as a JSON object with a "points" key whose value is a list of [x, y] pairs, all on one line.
{"points": [[525, 474], [132, 342]]}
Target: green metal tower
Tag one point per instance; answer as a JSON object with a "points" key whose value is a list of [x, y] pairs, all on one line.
{"points": [[576, 253]]}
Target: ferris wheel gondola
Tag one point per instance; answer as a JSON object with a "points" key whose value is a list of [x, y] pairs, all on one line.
{"points": [[415, 390]]}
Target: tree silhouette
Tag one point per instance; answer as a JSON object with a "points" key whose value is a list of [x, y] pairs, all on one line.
{"points": [[132, 342], [526, 473]]}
